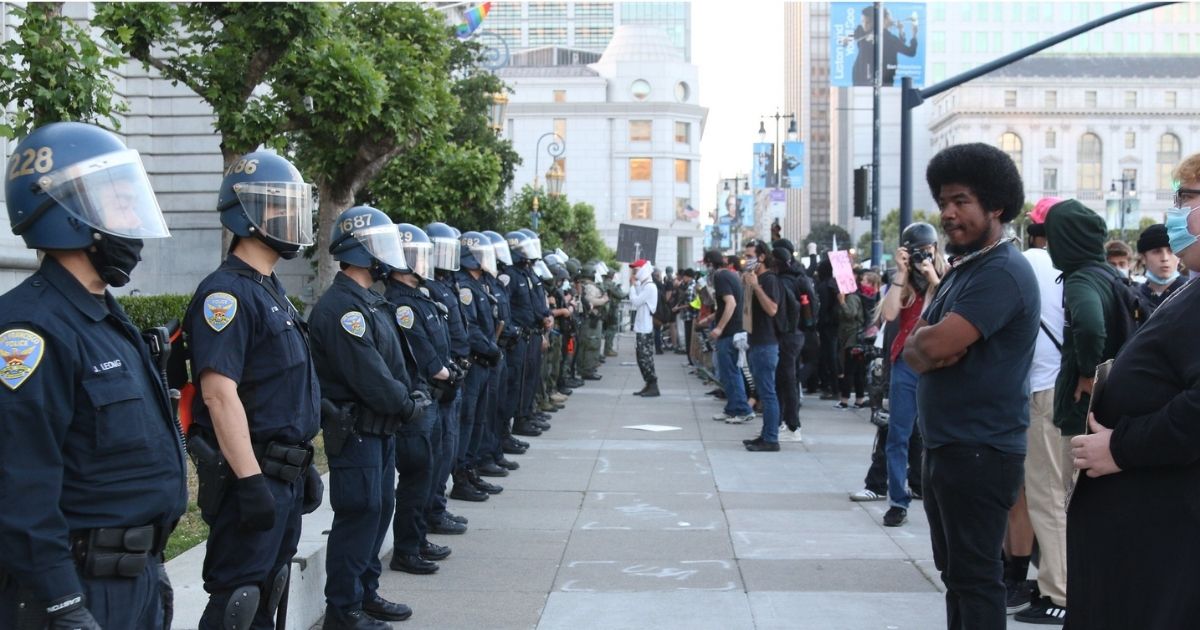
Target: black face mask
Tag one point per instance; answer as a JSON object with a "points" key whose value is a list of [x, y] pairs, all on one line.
{"points": [[114, 258]]}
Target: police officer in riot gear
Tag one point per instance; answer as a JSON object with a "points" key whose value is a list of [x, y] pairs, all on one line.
{"points": [[91, 461], [592, 336], [478, 259], [368, 398], [527, 316], [257, 406], [510, 335], [424, 325]]}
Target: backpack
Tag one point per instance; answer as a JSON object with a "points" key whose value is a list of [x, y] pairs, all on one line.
{"points": [[787, 318], [1132, 309], [662, 311]]}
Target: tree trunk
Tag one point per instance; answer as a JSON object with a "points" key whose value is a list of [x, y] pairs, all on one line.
{"points": [[333, 202], [229, 156]]}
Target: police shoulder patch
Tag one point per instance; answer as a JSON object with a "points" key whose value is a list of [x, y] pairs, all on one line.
{"points": [[21, 351], [465, 296], [219, 310], [405, 317], [425, 291], [354, 323]]}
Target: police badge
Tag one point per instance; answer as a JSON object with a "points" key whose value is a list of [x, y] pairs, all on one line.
{"points": [[354, 323], [219, 310], [21, 351]]}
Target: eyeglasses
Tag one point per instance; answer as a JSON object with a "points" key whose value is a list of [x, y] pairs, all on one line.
{"points": [[1186, 195]]}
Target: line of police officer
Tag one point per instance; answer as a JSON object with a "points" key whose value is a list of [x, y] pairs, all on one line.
{"points": [[406, 387]]}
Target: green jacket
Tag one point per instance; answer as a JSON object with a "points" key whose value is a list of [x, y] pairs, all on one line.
{"points": [[850, 321], [1075, 236]]}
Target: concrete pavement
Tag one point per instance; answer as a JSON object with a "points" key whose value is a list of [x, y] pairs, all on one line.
{"points": [[609, 527]]}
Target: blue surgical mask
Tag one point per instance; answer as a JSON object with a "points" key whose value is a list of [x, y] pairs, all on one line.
{"points": [[1162, 281], [1177, 229]]}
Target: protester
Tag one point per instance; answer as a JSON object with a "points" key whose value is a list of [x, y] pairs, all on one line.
{"points": [[852, 367], [919, 268], [728, 298], [972, 350], [763, 291], [1161, 265], [643, 297], [1119, 256], [1132, 520]]}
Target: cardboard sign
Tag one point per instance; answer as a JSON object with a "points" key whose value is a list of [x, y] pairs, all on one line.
{"points": [[843, 272]]}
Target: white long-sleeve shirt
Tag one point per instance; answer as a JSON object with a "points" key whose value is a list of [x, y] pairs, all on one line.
{"points": [[643, 296]]}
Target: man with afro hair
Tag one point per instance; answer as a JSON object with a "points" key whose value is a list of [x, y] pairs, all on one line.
{"points": [[973, 348]]}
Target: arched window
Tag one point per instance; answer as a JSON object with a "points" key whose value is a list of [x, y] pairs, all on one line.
{"points": [[1169, 154], [1010, 143], [1088, 161]]}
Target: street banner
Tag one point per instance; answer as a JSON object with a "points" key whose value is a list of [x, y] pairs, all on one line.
{"points": [[843, 272], [724, 233], [852, 42], [764, 157], [777, 208], [728, 208], [792, 166], [746, 204]]}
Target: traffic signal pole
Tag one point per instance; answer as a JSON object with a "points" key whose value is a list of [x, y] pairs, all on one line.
{"points": [[912, 97]]}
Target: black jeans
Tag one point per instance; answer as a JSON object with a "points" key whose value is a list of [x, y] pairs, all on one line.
{"points": [[854, 374], [876, 479], [969, 490], [787, 385]]}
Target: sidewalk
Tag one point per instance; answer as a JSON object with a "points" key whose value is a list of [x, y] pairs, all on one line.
{"points": [[609, 527]]}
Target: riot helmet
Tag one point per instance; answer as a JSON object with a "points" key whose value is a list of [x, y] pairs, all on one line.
{"points": [[517, 246], [418, 250], [918, 235], [263, 195], [542, 271], [365, 237], [445, 246], [588, 270], [573, 267], [533, 247], [478, 252], [501, 246]]}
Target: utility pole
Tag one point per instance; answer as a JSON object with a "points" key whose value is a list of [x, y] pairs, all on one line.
{"points": [[876, 186]]}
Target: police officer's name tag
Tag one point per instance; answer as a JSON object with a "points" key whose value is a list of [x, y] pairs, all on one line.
{"points": [[425, 291], [465, 296], [405, 317], [354, 323], [21, 351], [219, 310]]}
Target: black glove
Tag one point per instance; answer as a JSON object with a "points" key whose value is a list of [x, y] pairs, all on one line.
{"points": [[314, 490], [69, 613], [456, 372], [256, 503], [420, 400]]}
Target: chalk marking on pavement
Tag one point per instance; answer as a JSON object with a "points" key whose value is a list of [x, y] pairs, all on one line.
{"points": [[670, 573], [575, 563], [568, 587], [595, 525]]}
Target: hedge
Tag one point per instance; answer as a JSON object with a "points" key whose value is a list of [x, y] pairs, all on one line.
{"points": [[146, 311]]}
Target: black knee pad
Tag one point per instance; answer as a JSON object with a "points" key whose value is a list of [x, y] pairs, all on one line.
{"points": [[240, 608], [278, 584]]}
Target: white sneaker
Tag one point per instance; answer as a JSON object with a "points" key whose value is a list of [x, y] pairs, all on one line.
{"points": [[788, 435], [866, 495], [721, 417], [739, 419]]}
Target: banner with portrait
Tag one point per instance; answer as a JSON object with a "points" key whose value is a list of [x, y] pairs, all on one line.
{"points": [[764, 160], [746, 209], [792, 165], [852, 43]]}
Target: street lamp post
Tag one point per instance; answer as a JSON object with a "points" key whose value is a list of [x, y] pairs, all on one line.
{"points": [[554, 176], [773, 176], [1128, 191]]}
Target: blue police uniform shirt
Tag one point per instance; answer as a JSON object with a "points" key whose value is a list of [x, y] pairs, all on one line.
{"points": [[541, 307], [87, 437], [443, 291], [424, 325], [478, 305], [237, 329], [503, 308], [521, 295], [356, 348]]}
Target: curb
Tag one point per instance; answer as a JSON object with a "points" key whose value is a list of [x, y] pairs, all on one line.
{"points": [[306, 596]]}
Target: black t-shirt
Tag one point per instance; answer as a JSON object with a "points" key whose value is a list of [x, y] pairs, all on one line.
{"points": [[764, 332], [984, 398], [726, 282]]}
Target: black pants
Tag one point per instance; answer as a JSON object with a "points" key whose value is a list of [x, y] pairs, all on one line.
{"points": [[969, 490], [854, 374], [876, 479], [827, 368], [687, 336], [787, 386]]}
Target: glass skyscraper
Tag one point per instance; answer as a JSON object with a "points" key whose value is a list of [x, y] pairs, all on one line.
{"points": [[584, 25]]}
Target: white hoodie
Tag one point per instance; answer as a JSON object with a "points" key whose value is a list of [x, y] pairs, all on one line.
{"points": [[643, 296]]}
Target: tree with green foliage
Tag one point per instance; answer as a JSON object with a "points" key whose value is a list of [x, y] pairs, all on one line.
{"points": [[561, 224], [823, 236], [461, 177], [53, 70]]}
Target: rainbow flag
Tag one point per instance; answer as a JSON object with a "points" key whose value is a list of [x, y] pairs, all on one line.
{"points": [[474, 17]]}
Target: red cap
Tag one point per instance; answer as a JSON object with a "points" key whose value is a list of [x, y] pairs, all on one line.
{"points": [[639, 263]]}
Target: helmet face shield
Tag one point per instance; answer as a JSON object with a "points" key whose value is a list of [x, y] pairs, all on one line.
{"points": [[419, 257], [484, 253], [446, 253], [110, 193], [502, 253], [532, 249], [383, 244], [279, 210], [542, 271]]}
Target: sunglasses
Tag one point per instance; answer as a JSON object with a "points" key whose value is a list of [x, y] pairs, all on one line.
{"points": [[1186, 195]]}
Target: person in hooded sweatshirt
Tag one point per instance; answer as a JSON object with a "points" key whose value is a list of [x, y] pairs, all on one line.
{"points": [[1075, 237]]}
